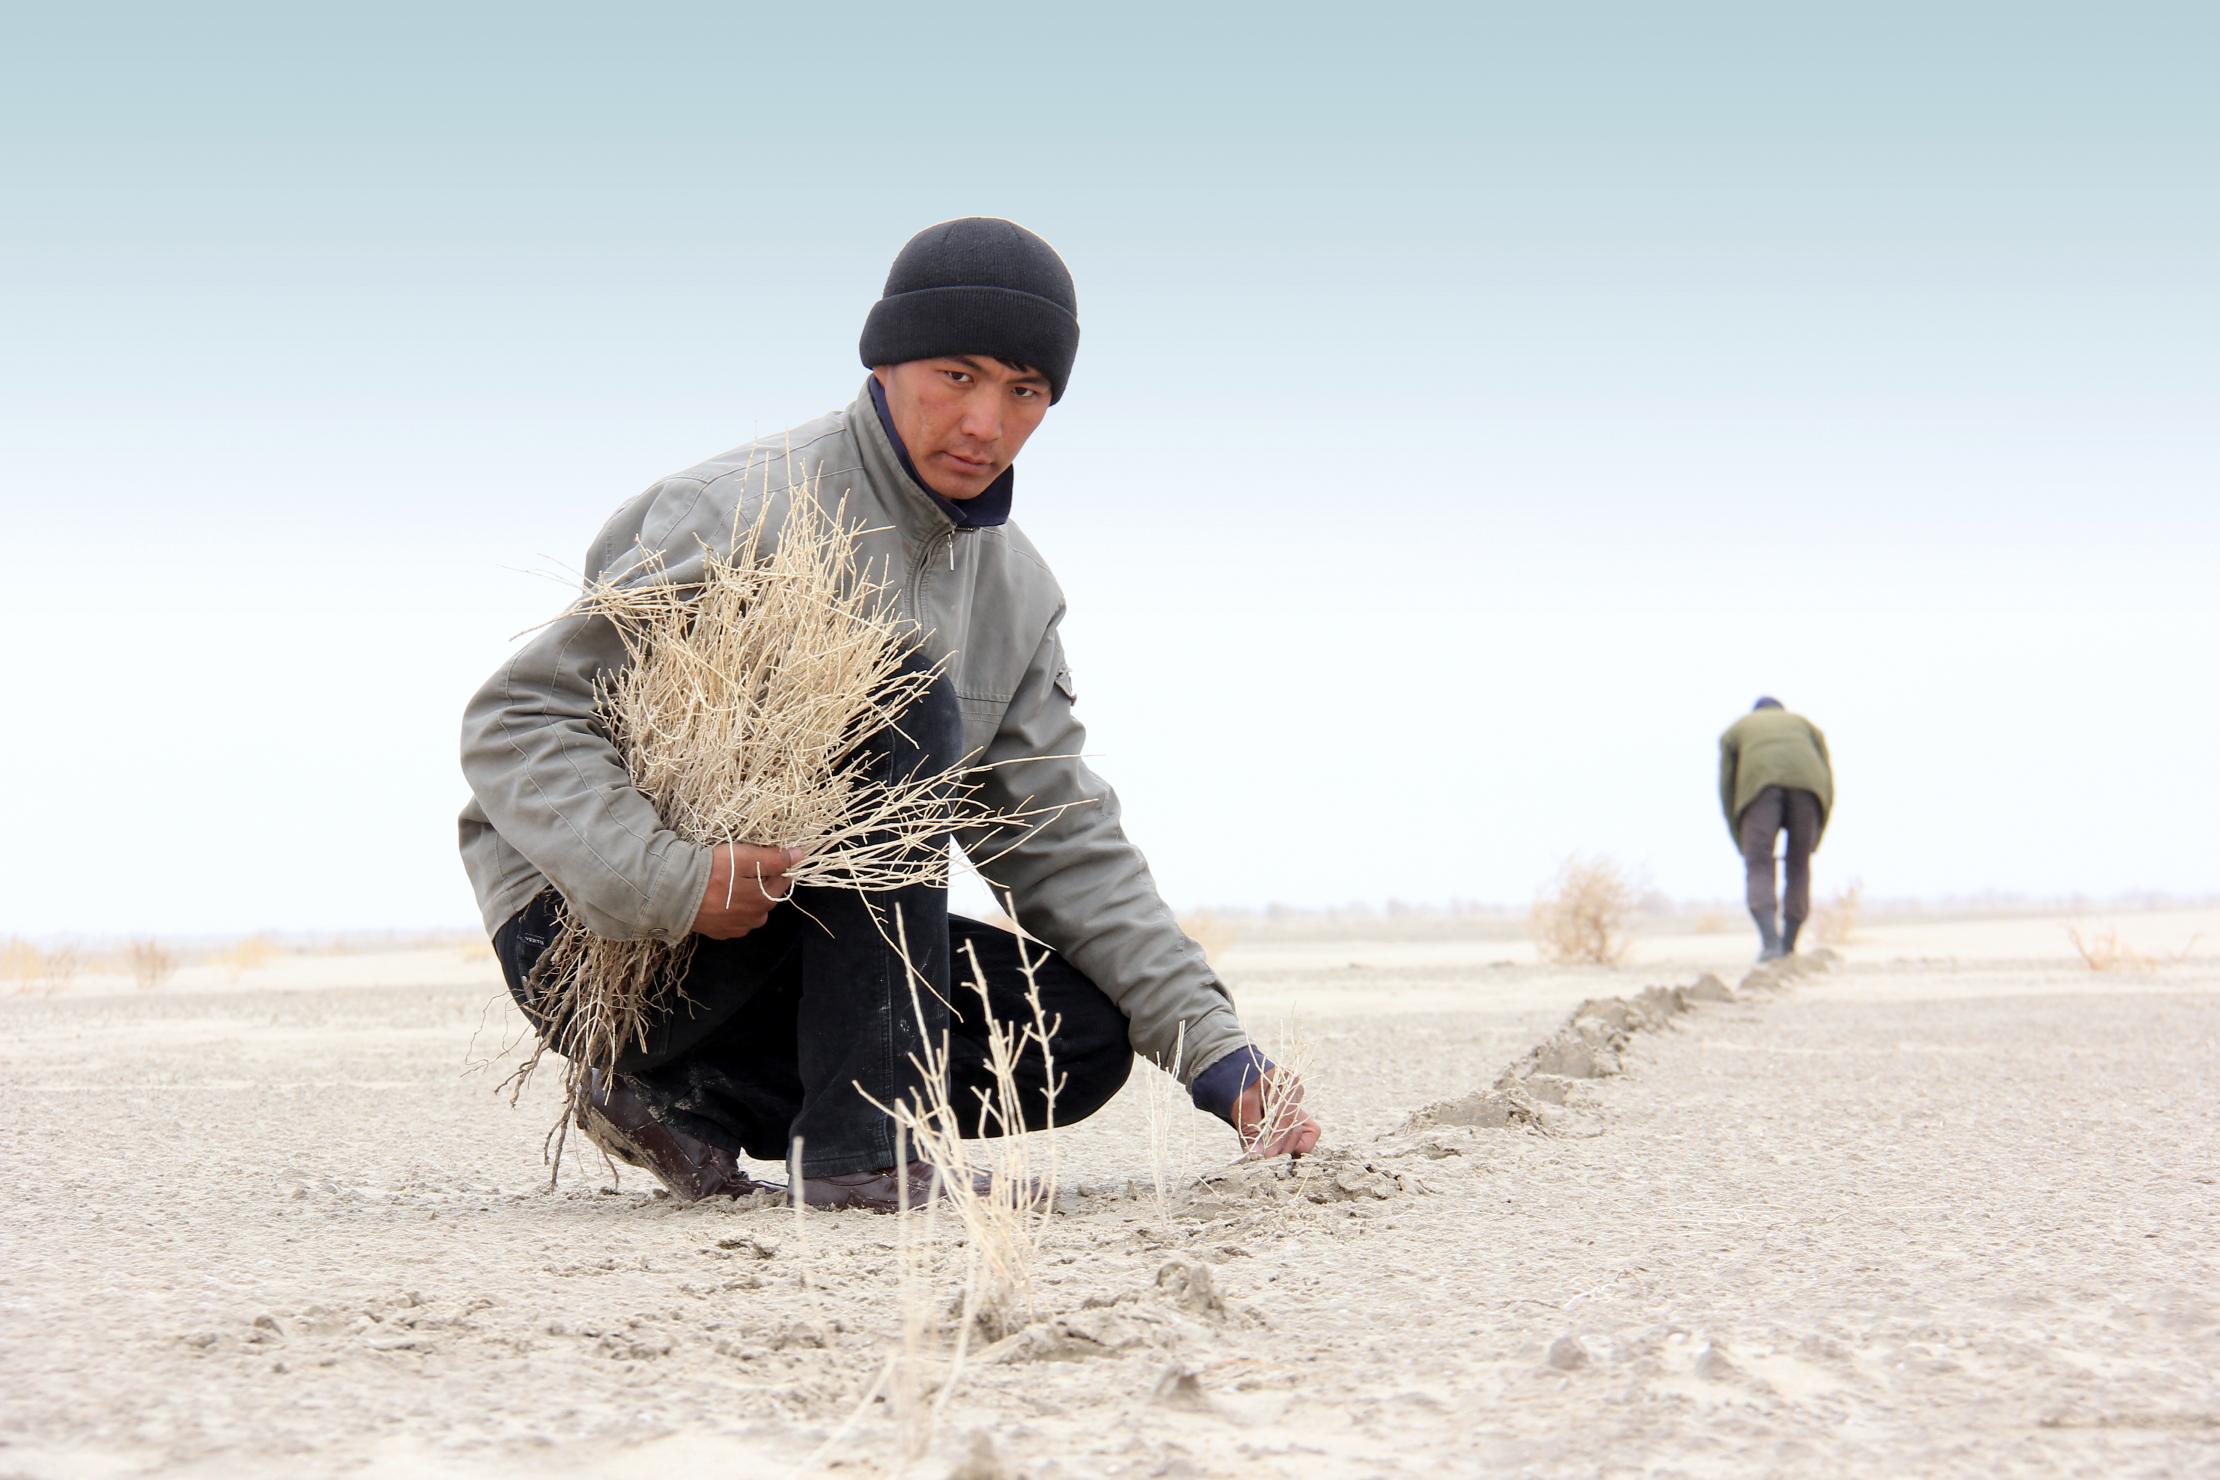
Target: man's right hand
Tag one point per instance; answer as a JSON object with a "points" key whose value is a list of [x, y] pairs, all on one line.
{"points": [[1291, 1131], [744, 883]]}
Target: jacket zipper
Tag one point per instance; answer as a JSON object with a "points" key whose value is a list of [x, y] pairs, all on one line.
{"points": [[917, 571]]}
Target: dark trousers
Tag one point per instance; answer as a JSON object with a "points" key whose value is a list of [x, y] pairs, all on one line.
{"points": [[777, 1035], [1772, 810]]}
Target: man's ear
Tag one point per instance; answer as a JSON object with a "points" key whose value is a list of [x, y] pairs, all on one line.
{"points": [[884, 375]]}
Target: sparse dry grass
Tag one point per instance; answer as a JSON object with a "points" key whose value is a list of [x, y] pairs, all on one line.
{"points": [[999, 1193], [1581, 916], [1162, 1100], [1713, 922], [1835, 921]]}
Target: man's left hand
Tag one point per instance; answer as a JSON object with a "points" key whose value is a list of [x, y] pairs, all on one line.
{"points": [[1291, 1133]]}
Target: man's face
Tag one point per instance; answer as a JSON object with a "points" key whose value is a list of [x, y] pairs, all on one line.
{"points": [[963, 417]]}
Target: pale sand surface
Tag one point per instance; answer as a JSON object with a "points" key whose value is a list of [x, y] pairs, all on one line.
{"points": [[1950, 1209]]}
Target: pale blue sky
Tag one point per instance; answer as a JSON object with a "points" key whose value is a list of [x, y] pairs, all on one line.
{"points": [[1473, 415]]}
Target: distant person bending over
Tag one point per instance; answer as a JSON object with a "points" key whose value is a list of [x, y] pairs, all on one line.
{"points": [[788, 1010], [1775, 776]]}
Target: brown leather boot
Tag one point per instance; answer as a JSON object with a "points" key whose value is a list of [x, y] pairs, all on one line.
{"points": [[881, 1191], [621, 1124]]}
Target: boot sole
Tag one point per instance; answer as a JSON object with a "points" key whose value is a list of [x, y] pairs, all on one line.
{"points": [[613, 1144]]}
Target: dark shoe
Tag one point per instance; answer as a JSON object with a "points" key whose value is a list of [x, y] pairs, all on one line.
{"points": [[1769, 938], [622, 1125], [881, 1191]]}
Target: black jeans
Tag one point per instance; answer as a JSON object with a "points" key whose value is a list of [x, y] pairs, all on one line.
{"points": [[780, 1032], [1770, 812]]}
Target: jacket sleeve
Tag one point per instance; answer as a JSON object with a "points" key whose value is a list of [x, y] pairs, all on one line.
{"points": [[1727, 759], [1080, 887], [1827, 765], [550, 780]]}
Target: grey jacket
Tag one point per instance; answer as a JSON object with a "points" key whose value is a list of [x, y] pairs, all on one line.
{"points": [[552, 804]]}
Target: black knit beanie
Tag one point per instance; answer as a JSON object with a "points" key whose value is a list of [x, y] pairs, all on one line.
{"points": [[978, 286]]}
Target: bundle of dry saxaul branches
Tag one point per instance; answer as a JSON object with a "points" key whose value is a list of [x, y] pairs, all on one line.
{"points": [[744, 715]]}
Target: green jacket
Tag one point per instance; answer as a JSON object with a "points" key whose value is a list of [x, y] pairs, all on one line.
{"points": [[1773, 747], [551, 802]]}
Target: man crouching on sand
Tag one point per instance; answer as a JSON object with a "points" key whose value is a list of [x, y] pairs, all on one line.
{"points": [[786, 1013]]}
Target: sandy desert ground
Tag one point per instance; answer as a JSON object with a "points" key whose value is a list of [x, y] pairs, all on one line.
{"points": [[1950, 1207]]}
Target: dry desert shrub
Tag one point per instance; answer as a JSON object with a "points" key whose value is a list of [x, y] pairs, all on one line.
{"points": [[33, 969], [1835, 922], [742, 715], [1713, 922], [2104, 951], [22, 963], [62, 963], [1581, 916], [150, 962], [250, 954]]}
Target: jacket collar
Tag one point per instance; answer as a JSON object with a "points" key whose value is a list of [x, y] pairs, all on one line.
{"points": [[991, 507]]}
